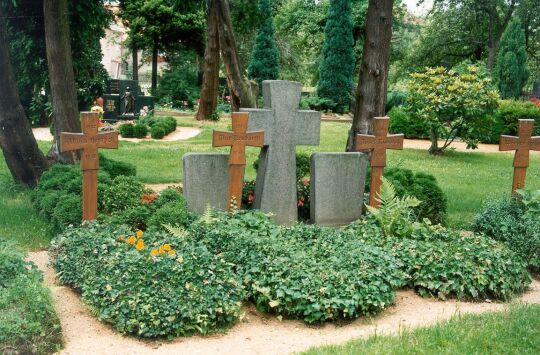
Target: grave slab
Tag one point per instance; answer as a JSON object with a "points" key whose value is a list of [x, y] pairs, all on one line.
{"points": [[337, 187], [285, 127], [205, 180]]}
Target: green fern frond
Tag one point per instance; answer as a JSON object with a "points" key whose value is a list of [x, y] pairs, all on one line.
{"points": [[176, 231], [208, 216]]}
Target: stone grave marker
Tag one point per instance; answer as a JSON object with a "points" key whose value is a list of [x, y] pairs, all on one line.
{"points": [[522, 144], [378, 143], [237, 140], [285, 127], [337, 187], [115, 100], [89, 142]]}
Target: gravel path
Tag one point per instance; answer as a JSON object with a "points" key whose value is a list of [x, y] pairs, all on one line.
{"points": [[256, 333]]}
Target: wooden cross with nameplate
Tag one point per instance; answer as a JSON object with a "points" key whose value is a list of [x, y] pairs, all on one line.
{"points": [[522, 144], [379, 142], [89, 142], [238, 139]]}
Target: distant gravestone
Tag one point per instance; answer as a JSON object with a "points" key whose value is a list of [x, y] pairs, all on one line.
{"points": [[522, 144], [536, 89], [89, 142], [205, 177], [337, 187], [116, 100], [238, 139], [378, 143], [285, 127]]}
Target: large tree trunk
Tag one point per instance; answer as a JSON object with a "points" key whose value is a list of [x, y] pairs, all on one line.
{"points": [[210, 84], [135, 62], [61, 77], [242, 92], [372, 85], [154, 66], [23, 157]]}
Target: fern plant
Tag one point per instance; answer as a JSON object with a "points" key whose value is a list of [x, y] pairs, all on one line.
{"points": [[176, 231], [393, 210]]}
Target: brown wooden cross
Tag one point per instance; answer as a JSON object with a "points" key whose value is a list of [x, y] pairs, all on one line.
{"points": [[522, 144], [89, 141], [379, 142], [238, 139]]}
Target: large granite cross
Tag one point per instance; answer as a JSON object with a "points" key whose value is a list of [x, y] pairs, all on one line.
{"points": [[522, 144], [89, 141], [238, 139], [285, 127]]}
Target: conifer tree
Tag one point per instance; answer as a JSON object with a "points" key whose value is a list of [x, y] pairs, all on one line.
{"points": [[265, 57], [510, 72], [338, 60]]}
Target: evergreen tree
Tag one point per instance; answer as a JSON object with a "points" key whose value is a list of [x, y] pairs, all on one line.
{"points": [[338, 60], [510, 72], [265, 57]]}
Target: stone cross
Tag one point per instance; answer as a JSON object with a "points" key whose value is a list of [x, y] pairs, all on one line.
{"points": [[285, 127], [379, 142], [522, 144], [89, 141], [238, 139]]}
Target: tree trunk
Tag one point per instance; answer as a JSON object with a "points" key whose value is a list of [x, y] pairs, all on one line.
{"points": [[372, 85], [154, 66], [242, 93], [434, 136], [21, 152], [61, 77], [210, 84], [135, 62]]}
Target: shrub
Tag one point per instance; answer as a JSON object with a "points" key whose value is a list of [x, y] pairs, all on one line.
{"points": [[140, 131], [122, 193], [68, 211], [507, 117], [134, 217], [395, 98], [179, 83], [127, 130], [28, 322], [411, 127], [170, 287], [316, 103], [172, 213], [157, 132], [506, 220], [116, 168], [169, 195], [422, 186], [170, 123]]}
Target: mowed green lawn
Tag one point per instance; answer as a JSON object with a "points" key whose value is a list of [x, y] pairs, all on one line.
{"points": [[467, 178], [516, 331]]}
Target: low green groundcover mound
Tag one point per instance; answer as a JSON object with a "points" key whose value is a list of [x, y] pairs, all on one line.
{"points": [[28, 321], [151, 285]]}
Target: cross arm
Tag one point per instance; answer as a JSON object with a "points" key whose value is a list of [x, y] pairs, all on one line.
{"points": [[508, 143], [255, 139], [107, 140], [222, 139], [535, 143], [72, 141]]}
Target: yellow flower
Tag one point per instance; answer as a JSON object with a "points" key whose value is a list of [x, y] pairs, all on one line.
{"points": [[140, 244], [161, 251], [167, 247], [172, 253], [154, 252], [131, 239], [139, 233]]}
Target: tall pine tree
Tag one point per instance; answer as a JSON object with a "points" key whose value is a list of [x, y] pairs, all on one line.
{"points": [[510, 72], [265, 57], [338, 60]]}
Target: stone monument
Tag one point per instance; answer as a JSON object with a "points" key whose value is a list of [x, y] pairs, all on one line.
{"points": [[285, 127], [124, 100]]}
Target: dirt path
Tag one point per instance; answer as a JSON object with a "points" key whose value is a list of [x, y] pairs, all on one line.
{"points": [[256, 333], [181, 133]]}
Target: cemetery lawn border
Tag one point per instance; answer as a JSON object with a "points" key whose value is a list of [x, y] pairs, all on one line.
{"points": [[515, 331]]}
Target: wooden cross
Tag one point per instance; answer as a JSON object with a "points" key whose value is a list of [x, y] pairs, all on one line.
{"points": [[522, 144], [237, 140], [89, 142], [379, 142]]}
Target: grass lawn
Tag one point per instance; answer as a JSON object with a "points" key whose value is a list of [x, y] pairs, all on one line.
{"points": [[468, 178], [516, 331]]}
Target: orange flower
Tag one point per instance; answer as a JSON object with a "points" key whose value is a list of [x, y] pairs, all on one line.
{"points": [[172, 253], [161, 251], [148, 198], [131, 239], [120, 237], [140, 245], [139, 233], [154, 252], [167, 247]]}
